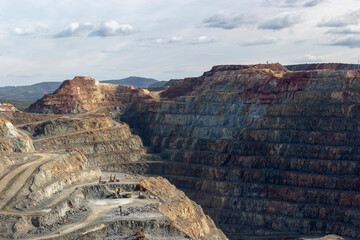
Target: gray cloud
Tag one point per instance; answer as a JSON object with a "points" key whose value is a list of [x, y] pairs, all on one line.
{"points": [[350, 42], [344, 31], [350, 18], [111, 29], [292, 3], [280, 22], [221, 20], [265, 41], [75, 29]]}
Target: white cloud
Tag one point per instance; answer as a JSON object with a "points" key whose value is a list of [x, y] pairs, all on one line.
{"points": [[202, 40], [161, 40], [24, 31], [111, 29], [175, 39], [158, 37], [75, 29]]}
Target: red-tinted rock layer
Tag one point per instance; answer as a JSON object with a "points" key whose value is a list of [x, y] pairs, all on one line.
{"points": [[323, 66], [83, 94], [265, 151]]}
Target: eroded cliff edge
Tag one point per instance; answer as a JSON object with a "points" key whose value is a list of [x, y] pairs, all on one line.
{"points": [[264, 150]]}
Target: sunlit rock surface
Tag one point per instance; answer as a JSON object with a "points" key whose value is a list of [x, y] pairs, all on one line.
{"points": [[83, 94]]}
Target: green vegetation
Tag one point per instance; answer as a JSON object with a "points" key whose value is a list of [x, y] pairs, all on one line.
{"points": [[21, 105], [28, 93], [138, 82]]}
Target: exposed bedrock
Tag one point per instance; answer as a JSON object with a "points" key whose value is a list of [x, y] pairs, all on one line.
{"points": [[13, 140], [7, 107], [183, 213], [264, 151], [105, 142], [83, 94]]}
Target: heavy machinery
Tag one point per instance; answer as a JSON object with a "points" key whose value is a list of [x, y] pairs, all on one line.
{"points": [[140, 234], [117, 192]]}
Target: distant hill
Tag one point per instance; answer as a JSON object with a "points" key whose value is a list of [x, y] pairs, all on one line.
{"points": [[161, 85], [138, 82], [31, 93], [28, 93], [158, 84]]}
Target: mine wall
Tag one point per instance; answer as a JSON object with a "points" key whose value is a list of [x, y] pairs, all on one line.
{"points": [[265, 153]]}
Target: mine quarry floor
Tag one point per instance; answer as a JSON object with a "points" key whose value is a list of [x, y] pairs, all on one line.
{"points": [[99, 211]]}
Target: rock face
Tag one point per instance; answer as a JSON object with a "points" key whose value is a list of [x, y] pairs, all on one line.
{"points": [[105, 142], [12, 140], [265, 151], [7, 107], [83, 94], [54, 176], [184, 213]]}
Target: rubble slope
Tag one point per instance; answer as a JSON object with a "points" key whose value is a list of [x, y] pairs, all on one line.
{"points": [[184, 213]]}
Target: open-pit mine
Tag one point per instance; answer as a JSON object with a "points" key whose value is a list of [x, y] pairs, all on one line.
{"points": [[241, 152]]}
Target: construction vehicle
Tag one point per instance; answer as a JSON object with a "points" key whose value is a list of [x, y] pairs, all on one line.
{"points": [[117, 193], [140, 234]]}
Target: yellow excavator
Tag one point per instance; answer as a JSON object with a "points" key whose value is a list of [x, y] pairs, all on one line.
{"points": [[140, 234], [117, 192]]}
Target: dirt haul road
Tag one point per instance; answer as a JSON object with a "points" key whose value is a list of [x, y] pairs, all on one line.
{"points": [[14, 181]]}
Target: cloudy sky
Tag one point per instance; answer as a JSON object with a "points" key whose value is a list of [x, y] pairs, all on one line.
{"points": [[42, 40]]}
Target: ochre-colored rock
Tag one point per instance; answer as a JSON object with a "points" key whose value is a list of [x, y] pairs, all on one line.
{"points": [[7, 107], [83, 94], [185, 214], [12, 140]]}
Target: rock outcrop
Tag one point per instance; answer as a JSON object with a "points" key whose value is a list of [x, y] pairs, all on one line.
{"points": [[185, 214], [12, 140], [265, 151], [7, 107], [83, 94]]}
